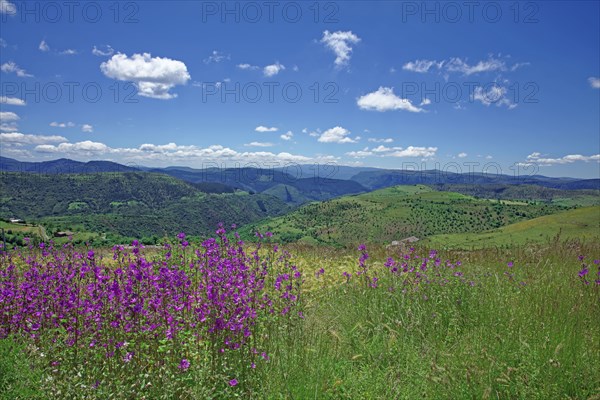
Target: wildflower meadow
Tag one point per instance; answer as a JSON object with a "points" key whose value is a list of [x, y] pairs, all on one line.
{"points": [[226, 319]]}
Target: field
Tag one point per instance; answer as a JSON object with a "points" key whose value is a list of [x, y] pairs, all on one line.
{"points": [[498, 299], [514, 323]]}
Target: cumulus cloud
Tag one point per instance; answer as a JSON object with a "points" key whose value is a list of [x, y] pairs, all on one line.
{"points": [[6, 7], [539, 159], [336, 135], [315, 133], [10, 67], [154, 77], [86, 147], [384, 99], [375, 140], [247, 66], [87, 128], [44, 46], [496, 94], [273, 69], [23, 139], [11, 101], [340, 43], [3, 43], [594, 82], [216, 57], [287, 136], [8, 116], [259, 144], [413, 151], [383, 149], [8, 127], [262, 128], [103, 51], [360, 153], [171, 153], [68, 52], [462, 155], [62, 124]]}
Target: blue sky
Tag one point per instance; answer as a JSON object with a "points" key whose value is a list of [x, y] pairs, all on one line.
{"points": [[509, 85]]}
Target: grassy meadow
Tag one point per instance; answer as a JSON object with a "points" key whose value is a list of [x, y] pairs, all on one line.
{"points": [[508, 323]]}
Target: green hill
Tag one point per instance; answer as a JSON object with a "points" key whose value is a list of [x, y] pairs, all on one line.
{"points": [[582, 198], [582, 223], [129, 204], [395, 213]]}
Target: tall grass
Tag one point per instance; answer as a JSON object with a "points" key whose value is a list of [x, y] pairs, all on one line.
{"points": [[527, 331], [493, 323]]}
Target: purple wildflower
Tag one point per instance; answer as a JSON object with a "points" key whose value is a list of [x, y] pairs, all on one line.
{"points": [[184, 364]]}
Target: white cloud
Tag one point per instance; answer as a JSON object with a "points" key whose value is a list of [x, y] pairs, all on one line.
{"points": [[68, 52], [384, 99], [8, 127], [7, 116], [10, 66], [491, 64], [262, 128], [21, 138], [247, 66], [456, 64], [172, 153], [85, 147], [594, 82], [6, 7], [62, 124], [382, 149], [421, 66], [153, 77], [315, 133], [273, 69], [216, 57], [336, 135], [412, 151], [11, 101], [425, 102], [375, 140], [360, 154], [259, 144], [287, 136], [87, 128], [3, 43], [462, 155], [105, 51], [538, 158], [496, 94], [44, 46], [339, 42]]}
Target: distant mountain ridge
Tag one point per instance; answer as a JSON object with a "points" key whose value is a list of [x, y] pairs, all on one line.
{"points": [[386, 178], [62, 166], [312, 182]]}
